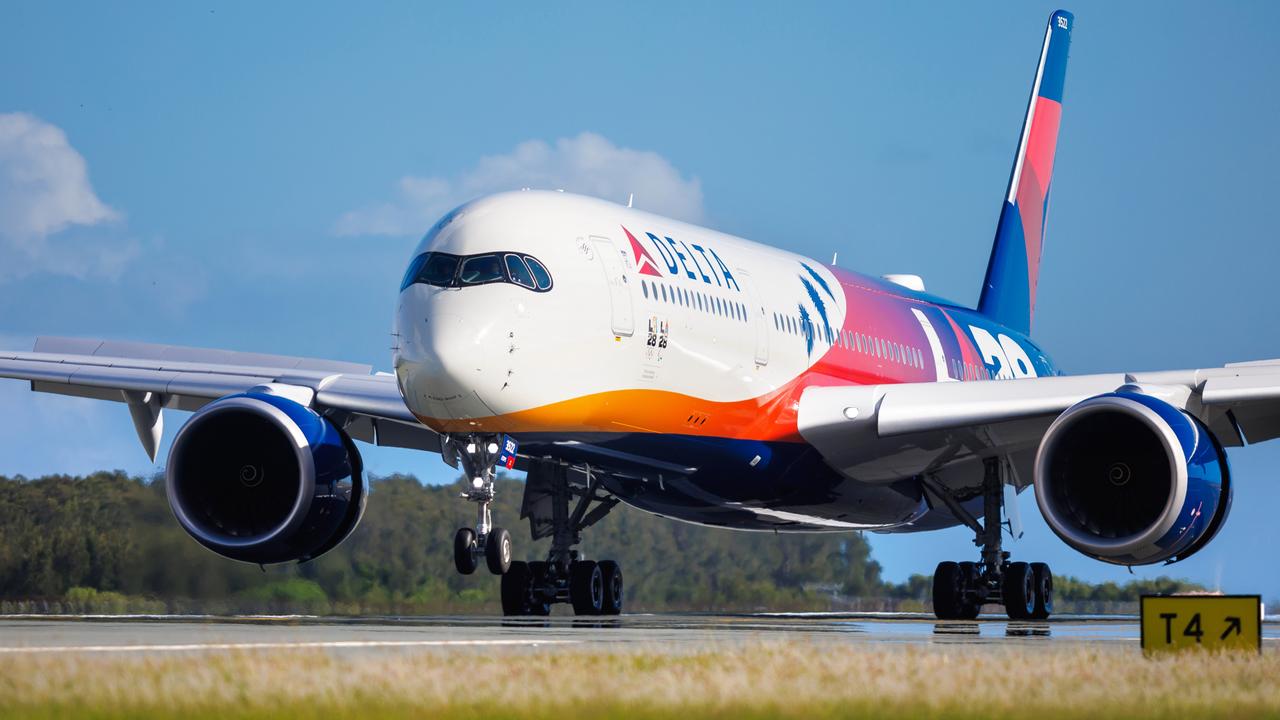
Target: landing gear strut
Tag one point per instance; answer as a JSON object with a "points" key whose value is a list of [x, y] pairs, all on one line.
{"points": [[479, 456], [961, 589], [558, 502]]}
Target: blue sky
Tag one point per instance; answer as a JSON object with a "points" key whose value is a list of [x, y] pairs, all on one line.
{"points": [[253, 177]]}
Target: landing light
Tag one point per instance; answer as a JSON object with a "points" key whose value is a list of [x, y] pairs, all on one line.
{"points": [[477, 483], [471, 448], [493, 448]]}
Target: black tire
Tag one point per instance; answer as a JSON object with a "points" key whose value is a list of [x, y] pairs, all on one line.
{"points": [[1019, 591], [515, 589], [971, 581], [948, 591], [538, 576], [497, 551], [611, 576], [586, 587], [464, 542], [1042, 581]]}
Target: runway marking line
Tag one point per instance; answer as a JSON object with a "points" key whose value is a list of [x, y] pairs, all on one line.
{"points": [[277, 645]]}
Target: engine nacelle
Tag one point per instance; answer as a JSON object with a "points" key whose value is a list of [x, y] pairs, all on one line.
{"points": [[263, 479], [1129, 479]]}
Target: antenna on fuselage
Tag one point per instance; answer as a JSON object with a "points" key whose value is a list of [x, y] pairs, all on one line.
{"points": [[630, 198], [835, 256]]}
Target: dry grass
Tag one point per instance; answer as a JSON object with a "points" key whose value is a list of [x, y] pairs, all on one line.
{"points": [[769, 679]]}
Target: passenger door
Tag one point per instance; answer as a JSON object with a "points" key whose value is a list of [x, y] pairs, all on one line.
{"points": [[622, 320], [758, 316]]}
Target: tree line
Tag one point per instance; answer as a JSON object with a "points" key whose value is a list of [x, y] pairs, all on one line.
{"points": [[107, 542]]}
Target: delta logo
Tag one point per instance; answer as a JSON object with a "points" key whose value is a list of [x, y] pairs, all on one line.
{"points": [[678, 257], [644, 261]]}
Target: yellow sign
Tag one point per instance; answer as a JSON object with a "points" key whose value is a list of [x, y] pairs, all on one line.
{"points": [[1211, 622]]}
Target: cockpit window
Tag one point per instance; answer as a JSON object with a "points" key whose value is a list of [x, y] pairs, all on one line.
{"points": [[540, 274], [439, 269], [432, 268], [481, 269], [411, 274], [445, 270], [519, 272]]}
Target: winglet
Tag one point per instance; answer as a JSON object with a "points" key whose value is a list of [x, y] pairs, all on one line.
{"points": [[1009, 290]]}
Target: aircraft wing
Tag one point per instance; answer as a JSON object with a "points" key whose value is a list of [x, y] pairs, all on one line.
{"points": [[883, 432], [150, 378]]}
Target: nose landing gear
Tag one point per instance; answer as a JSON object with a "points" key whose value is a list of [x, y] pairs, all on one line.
{"points": [[961, 589], [480, 456]]}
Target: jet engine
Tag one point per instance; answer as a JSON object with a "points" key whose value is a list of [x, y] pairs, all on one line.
{"points": [[263, 479], [1129, 479]]}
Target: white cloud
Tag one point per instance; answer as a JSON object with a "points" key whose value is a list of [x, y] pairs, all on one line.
{"points": [[44, 192], [588, 164]]}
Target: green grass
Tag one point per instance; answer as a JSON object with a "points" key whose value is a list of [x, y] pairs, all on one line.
{"points": [[793, 679]]}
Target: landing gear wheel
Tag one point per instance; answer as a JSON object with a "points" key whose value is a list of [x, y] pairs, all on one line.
{"points": [[538, 604], [971, 582], [497, 551], [948, 591], [1042, 581], [464, 557], [1019, 591], [515, 589], [611, 577], [586, 587]]}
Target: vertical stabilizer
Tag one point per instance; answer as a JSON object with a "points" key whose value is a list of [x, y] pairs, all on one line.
{"points": [[1009, 290]]}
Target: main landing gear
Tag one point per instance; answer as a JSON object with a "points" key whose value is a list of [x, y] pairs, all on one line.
{"points": [[559, 502], [960, 589]]}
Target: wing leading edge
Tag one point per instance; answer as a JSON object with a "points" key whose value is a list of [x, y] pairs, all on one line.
{"points": [[150, 378], [883, 432]]}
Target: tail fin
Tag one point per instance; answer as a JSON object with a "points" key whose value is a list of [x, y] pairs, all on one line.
{"points": [[1009, 291]]}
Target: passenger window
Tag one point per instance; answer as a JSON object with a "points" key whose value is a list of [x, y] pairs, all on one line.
{"points": [[481, 269], [519, 272]]}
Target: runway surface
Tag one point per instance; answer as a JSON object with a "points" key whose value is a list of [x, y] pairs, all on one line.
{"points": [[669, 633]]}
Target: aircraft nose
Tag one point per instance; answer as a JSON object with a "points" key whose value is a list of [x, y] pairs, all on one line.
{"points": [[441, 348], [444, 366]]}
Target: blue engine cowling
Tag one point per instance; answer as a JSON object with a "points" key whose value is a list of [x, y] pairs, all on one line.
{"points": [[260, 478], [1129, 479]]}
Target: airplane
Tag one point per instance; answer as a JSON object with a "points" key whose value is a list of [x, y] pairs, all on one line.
{"points": [[617, 356]]}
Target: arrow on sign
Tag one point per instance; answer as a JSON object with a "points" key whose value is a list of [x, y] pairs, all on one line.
{"points": [[1233, 623]]}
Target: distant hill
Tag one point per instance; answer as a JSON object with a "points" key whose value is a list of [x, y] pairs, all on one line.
{"points": [[108, 543]]}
